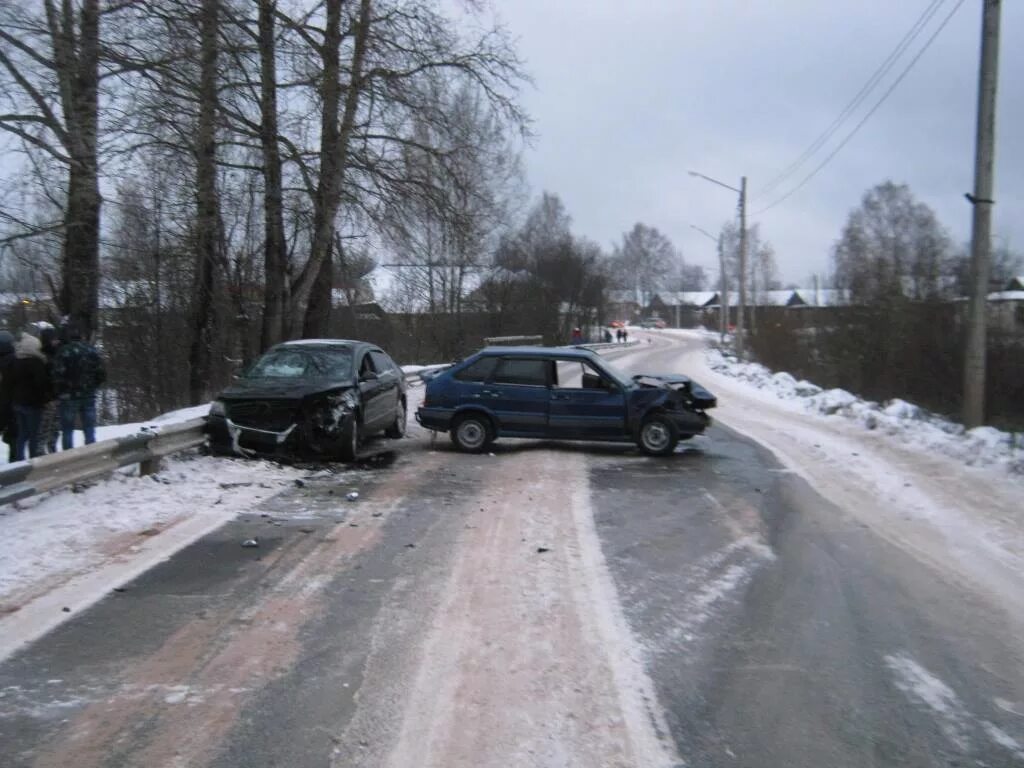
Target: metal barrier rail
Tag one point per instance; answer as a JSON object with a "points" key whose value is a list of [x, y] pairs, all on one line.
{"points": [[503, 341], [55, 470]]}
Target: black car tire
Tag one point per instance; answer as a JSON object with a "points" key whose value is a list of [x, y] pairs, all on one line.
{"points": [[472, 433], [349, 449], [658, 435], [397, 429]]}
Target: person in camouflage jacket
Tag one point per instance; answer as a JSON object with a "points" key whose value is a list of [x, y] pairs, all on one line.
{"points": [[78, 371]]}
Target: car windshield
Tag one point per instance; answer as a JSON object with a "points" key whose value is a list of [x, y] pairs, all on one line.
{"points": [[613, 372], [298, 363]]}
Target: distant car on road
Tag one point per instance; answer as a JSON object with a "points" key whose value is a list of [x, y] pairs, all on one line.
{"points": [[314, 397], [616, 324], [561, 393], [653, 322]]}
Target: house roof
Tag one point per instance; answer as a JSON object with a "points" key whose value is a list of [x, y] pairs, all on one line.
{"points": [[686, 298], [1015, 284], [1007, 296], [623, 296]]}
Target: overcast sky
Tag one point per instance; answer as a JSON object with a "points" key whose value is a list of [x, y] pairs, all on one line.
{"points": [[628, 96]]}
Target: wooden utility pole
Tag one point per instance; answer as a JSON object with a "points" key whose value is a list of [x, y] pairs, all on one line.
{"points": [[981, 227], [723, 294], [743, 267]]}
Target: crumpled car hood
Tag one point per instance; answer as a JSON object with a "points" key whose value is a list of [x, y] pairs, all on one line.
{"points": [[281, 389], [701, 396]]}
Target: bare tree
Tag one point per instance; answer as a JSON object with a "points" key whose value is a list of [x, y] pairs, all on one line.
{"points": [[644, 260]]}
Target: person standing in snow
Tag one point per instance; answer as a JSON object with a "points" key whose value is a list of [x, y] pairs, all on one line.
{"points": [[8, 425], [49, 427], [78, 372], [577, 336], [31, 389]]}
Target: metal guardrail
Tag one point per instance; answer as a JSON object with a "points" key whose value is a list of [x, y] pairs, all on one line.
{"points": [[504, 341], [45, 473], [56, 470]]}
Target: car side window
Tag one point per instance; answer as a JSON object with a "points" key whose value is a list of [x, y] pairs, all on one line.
{"points": [[479, 371], [512, 370], [381, 361], [366, 366], [573, 374]]}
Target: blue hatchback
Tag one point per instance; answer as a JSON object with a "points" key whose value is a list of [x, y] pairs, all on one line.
{"points": [[560, 393]]}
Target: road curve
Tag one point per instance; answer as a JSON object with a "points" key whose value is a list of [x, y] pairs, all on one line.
{"points": [[548, 605]]}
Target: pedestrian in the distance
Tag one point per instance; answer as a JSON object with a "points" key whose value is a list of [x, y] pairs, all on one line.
{"points": [[625, 336], [49, 426], [8, 425], [577, 336], [31, 389], [78, 372]]}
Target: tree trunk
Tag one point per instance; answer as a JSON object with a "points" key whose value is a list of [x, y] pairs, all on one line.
{"points": [[77, 65], [334, 147], [207, 205], [274, 257], [317, 324]]}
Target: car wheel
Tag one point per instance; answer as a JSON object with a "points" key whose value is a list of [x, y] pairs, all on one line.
{"points": [[350, 441], [658, 436], [472, 433], [397, 429]]}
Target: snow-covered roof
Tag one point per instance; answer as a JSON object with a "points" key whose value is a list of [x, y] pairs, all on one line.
{"points": [[623, 297], [1015, 284], [1007, 296], [686, 298], [822, 297]]}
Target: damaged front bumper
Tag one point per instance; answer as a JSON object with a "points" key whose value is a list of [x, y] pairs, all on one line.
{"points": [[227, 436]]}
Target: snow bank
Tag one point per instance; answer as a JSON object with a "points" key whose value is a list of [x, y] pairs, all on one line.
{"points": [[981, 446]]}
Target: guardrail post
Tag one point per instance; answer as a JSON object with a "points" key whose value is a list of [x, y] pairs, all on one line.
{"points": [[149, 466]]}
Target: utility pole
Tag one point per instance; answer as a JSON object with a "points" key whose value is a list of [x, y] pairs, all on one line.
{"points": [[723, 294], [981, 227], [743, 267]]}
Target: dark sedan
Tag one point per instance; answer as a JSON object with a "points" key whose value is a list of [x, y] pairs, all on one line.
{"points": [[565, 393], [311, 398]]}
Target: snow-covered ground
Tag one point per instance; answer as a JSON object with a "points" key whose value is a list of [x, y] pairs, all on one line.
{"points": [[948, 497], [69, 547], [906, 422]]}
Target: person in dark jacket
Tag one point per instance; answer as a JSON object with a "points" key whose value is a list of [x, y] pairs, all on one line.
{"points": [[31, 389], [8, 425], [77, 373], [49, 427]]}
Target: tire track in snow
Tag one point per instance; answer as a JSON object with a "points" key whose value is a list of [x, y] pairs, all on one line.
{"points": [[530, 661]]}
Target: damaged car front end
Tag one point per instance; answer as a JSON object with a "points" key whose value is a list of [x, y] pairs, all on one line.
{"points": [[302, 401]]}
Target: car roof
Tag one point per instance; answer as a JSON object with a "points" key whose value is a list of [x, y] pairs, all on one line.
{"points": [[575, 353], [325, 343]]}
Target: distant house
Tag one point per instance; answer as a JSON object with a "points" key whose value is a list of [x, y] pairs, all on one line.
{"points": [[624, 305], [682, 309], [1006, 307]]}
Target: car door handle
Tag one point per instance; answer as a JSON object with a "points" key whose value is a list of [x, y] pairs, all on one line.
{"points": [[488, 393], [560, 397]]}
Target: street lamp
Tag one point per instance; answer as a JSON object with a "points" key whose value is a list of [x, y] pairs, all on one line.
{"points": [[723, 289], [742, 192]]}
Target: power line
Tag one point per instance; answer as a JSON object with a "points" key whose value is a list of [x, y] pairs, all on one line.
{"points": [[858, 99], [866, 117]]}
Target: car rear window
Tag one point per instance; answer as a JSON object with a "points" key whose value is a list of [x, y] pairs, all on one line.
{"points": [[303, 363], [513, 370], [478, 371]]}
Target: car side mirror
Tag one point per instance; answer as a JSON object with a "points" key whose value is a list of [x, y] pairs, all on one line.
{"points": [[368, 376]]}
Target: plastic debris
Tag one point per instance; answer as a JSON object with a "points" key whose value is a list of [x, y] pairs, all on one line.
{"points": [[253, 542], [352, 496]]}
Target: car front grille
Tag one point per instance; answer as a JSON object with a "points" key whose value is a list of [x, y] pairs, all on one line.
{"points": [[263, 414]]}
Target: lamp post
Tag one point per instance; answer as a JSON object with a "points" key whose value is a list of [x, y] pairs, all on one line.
{"points": [[742, 192], [723, 283]]}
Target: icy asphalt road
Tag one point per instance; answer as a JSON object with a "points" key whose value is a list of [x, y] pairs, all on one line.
{"points": [[550, 605]]}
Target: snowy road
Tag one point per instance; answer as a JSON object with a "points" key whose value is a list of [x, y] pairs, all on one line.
{"points": [[565, 605]]}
